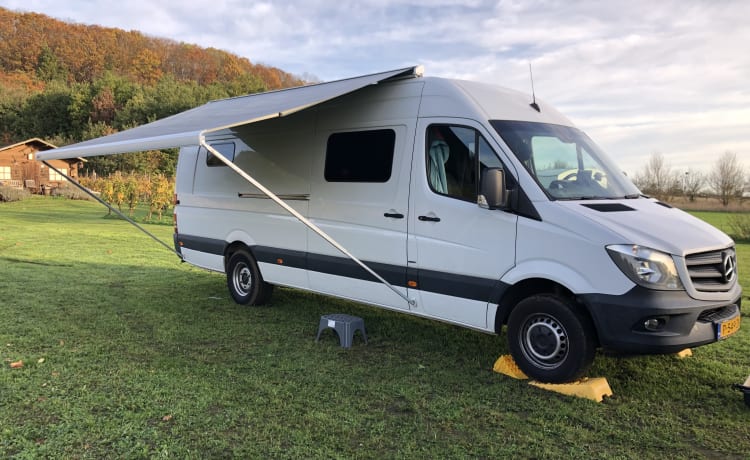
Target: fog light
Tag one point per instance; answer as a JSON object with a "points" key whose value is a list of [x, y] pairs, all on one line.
{"points": [[654, 324]]}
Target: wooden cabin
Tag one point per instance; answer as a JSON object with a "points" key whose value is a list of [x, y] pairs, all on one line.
{"points": [[19, 167]]}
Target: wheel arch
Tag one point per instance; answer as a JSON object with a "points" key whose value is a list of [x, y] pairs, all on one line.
{"points": [[237, 240], [535, 286]]}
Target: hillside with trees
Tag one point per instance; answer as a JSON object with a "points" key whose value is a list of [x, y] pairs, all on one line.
{"points": [[70, 82]]}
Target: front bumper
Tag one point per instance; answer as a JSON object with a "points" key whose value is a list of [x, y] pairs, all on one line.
{"points": [[687, 322]]}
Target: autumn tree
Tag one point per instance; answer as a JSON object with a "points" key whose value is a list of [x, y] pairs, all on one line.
{"points": [[107, 189], [147, 67], [727, 178], [119, 190], [162, 190], [132, 192]]}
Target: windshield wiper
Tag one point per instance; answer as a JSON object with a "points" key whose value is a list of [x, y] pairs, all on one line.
{"points": [[581, 198]]}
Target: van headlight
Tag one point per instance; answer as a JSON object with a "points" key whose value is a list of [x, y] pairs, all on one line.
{"points": [[645, 266]]}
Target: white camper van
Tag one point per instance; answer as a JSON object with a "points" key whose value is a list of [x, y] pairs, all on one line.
{"points": [[446, 199]]}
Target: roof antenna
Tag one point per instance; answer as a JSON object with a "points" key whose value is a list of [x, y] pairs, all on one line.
{"points": [[533, 104]]}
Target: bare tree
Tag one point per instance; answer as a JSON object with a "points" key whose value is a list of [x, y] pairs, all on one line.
{"points": [[693, 183], [727, 178], [657, 178]]}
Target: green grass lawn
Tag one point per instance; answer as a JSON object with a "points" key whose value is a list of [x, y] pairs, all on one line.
{"points": [[129, 353]]}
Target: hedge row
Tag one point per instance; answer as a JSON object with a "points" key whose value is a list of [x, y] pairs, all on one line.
{"points": [[8, 194]]}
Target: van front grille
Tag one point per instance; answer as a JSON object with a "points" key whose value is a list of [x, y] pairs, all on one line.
{"points": [[713, 271]]}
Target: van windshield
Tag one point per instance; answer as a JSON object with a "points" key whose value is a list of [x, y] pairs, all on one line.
{"points": [[565, 162]]}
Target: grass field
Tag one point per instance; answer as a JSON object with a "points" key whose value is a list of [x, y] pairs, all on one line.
{"points": [[128, 353]]}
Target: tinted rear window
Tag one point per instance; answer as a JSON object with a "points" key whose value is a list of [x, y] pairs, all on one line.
{"points": [[360, 156]]}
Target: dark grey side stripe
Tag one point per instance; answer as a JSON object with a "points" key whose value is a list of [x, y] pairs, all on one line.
{"points": [[463, 286], [199, 243], [342, 266], [289, 258]]}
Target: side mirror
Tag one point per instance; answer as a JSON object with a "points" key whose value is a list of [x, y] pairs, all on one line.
{"points": [[492, 194]]}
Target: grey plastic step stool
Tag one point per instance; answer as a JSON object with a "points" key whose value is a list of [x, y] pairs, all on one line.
{"points": [[345, 327]]}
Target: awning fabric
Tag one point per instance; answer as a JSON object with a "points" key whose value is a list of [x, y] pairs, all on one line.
{"points": [[185, 128]]}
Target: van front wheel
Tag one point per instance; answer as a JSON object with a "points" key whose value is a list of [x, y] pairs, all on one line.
{"points": [[245, 282], [551, 339]]}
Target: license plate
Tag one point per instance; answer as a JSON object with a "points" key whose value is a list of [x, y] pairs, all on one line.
{"points": [[728, 327]]}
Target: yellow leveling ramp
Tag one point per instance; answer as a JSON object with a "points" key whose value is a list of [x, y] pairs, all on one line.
{"points": [[594, 389], [506, 366], [686, 353], [590, 388]]}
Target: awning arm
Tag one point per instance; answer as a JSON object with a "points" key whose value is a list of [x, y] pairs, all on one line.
{"points": [[111, 208], [298, 216]]}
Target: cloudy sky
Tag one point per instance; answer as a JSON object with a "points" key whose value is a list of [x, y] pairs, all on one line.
{"points": [[639, 76]]}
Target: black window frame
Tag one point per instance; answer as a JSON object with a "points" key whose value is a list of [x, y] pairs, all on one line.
{"points": [[350, 156]]}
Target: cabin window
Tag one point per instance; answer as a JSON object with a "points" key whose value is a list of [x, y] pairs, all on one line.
{"points": [[225, 148], [360, 156], [4, 172], [55, 177], [453, 165]]}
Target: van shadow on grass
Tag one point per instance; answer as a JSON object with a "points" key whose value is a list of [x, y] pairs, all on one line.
{"points": [[32, 262]]}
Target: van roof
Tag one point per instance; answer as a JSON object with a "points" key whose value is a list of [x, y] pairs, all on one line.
{"points": [[442, 96]]}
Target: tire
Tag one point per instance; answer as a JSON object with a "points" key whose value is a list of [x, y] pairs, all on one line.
{"points": [[245, 282], [551, 339]]}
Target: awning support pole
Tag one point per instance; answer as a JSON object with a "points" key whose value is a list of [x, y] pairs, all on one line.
{"points": [[298, 216], [112, 208]]}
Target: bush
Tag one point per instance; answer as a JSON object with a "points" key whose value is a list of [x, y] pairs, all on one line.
{"points": [[740, 225], [71, 192], [13, 194]]}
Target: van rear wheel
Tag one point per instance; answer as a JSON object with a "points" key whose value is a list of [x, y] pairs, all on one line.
{"points": [[551, 339], [245, 282]]}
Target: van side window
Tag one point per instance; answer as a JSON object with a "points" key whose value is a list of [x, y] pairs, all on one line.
{"points": [[360, 156], [456, 155], [225, 148]]}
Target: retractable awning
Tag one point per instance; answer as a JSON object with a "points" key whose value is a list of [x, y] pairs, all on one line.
{"points": [[190, 128], [187, 127]]}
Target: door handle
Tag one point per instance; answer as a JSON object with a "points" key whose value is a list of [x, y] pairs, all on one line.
{"points": [[394, 215], [428, 219]]}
